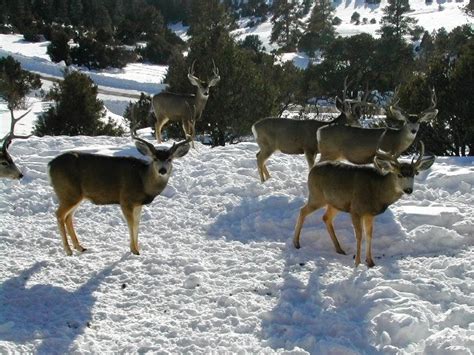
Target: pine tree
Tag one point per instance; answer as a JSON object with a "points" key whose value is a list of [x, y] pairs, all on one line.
{"points": [[320, 29], [76, 109], [16, 83], [395, 22], [286, 30]]}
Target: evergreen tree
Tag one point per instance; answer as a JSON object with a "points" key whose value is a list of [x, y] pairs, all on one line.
{"points": [[238, 100], [395, 22], [320, 30], [58, 49], [16, 83], [286, 30], [76, 110]]}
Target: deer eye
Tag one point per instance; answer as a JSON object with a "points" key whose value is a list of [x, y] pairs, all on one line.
{"points": [[4, 163], [400, 175]]}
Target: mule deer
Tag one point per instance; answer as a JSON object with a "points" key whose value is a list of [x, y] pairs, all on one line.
{"points": [[106, 180], [8, 168], [362, 191], [184, 108], [297, 136], [358, 145]]}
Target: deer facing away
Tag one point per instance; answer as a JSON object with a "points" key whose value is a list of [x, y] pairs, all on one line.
{"points": [[184, 108], [294, 136], [362, 191], [358, 145], [105, 180]]}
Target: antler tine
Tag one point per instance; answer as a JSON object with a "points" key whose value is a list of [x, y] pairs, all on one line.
{"points": [[215, 69], [10, 136], [395, 99], [191, 68], [433, 98], [418, 161]]}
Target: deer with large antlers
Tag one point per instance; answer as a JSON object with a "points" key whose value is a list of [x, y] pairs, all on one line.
{"points": [[104, 180], [359, 145], [362, 191], [298, 136], [184, 108], [8, 168]]}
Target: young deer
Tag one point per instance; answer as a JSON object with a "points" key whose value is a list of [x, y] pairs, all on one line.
{"points": [[184, 108], [8, 168], [358, 145], [105, 180], [362, 191]]}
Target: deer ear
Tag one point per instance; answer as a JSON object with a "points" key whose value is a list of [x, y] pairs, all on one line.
{"points": [[397, 113], [428, 116], [339, 104], [193, 80], [145, 148], [181, 151], [384, 166], [426, 163]]}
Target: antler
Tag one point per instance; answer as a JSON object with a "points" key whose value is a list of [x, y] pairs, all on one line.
{"points": [[7, 140], [215, 71], [419, 160], [191, 75], [433, 101]]}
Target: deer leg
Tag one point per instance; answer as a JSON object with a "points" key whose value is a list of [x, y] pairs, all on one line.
{"points": [[192, 126], [61, 214], [72, 232], [304, 212], [187, 128], [357, 223], [328, 218], [310, 156], [136, 218], [129, 214], [262, 157], [369, 227], [160, 122]]}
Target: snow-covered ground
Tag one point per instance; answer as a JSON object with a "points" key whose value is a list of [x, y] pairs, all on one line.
{"points": [[218, 272]]}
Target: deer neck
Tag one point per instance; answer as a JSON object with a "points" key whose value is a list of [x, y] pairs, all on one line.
{"points": [[396, 141], [390, 190], [199, 102]]}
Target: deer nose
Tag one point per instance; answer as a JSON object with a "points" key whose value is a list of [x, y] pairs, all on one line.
{"points": [[408, 190], [413, 131], [20, 176], [162, 171]]}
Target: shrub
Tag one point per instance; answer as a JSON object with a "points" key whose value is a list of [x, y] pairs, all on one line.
{"points": [[76, 110]]}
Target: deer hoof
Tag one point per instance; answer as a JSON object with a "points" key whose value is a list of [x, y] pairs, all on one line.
{"points": [[370, 263], [340, 251], [135, 252], [297, 245]]}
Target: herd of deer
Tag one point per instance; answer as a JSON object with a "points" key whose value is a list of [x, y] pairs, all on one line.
{"points": [[360, 189]]}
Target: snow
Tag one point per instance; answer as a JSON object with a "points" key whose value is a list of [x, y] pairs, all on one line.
{"points": [[217, 271]]}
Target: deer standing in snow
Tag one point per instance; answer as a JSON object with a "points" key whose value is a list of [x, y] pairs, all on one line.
{"points": [[184, 108], [105, 180], [298, 136], [362, 191]]}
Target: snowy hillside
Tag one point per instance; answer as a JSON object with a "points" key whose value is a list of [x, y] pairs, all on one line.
{"points": [[218, 272]]}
